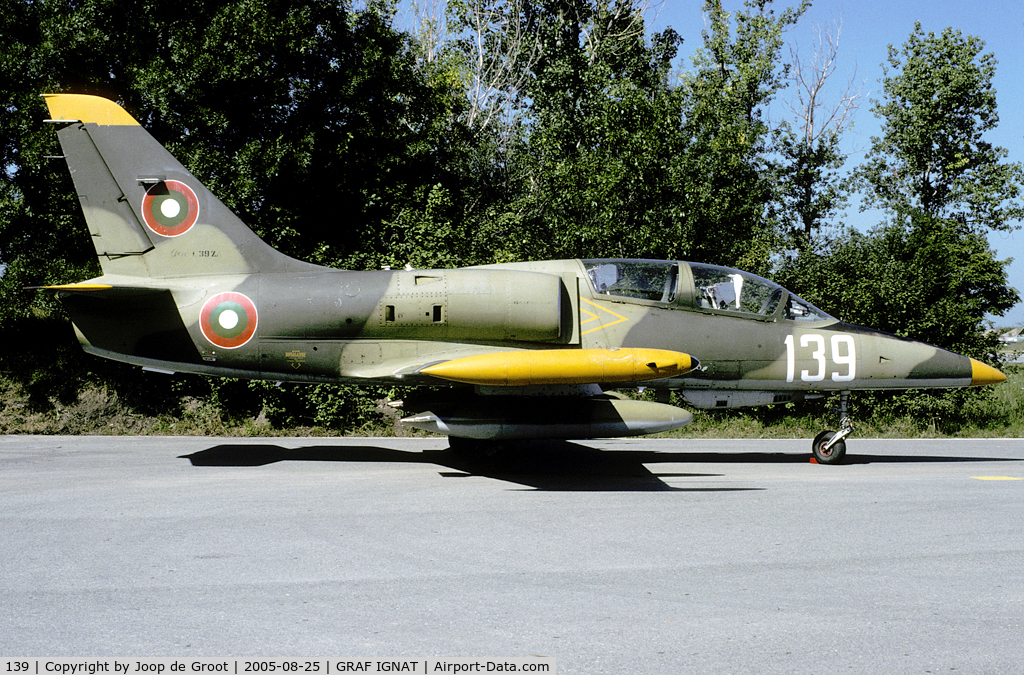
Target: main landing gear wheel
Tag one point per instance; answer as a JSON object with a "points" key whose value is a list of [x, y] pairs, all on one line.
{"points": [[475, 448]]}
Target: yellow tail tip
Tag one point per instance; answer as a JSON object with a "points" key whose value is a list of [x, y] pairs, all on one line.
{"points": [[982, 373], [87, 109]]}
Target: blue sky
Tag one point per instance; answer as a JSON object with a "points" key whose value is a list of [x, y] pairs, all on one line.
{"points": [[867, 28]]}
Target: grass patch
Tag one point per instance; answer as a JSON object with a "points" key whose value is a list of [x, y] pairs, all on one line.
{"points": [[192, 406]]}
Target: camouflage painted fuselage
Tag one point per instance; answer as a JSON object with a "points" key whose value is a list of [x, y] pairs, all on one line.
{"points": [[328, 325]]}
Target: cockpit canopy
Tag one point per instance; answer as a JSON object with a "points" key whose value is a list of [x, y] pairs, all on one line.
{"points": [[704, 287]]}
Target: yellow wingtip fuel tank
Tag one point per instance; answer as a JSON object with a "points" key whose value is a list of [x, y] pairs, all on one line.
{"points": [[564, 366]]}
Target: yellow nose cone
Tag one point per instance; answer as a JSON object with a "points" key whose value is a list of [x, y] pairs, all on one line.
{"points": [[984, 374]]}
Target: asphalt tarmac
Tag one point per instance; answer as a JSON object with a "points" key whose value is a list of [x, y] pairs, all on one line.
{"points": [[626, 556]]}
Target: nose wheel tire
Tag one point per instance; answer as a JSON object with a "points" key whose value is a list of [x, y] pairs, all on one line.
{"points": [[828, 455]]}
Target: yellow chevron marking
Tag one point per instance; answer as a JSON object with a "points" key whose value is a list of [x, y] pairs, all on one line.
{"points": [[619, 318]]}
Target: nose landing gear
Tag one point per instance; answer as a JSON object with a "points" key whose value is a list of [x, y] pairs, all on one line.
{"points": [[829, 447]]}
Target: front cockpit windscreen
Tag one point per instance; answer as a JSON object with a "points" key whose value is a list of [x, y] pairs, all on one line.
{"points": [[801, 310], [643, 279], [729, 290]]}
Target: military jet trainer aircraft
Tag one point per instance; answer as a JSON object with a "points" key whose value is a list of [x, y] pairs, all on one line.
{"points": [[526, 350]]}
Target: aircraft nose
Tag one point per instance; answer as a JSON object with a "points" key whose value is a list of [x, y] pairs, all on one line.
{"points": [[984, 374]]}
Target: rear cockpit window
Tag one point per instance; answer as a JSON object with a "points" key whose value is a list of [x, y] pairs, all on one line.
{"points": [[642, 279], [734, 291]]}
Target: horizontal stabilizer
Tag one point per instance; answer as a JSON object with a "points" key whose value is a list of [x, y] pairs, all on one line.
{"points": [[100, 290]]}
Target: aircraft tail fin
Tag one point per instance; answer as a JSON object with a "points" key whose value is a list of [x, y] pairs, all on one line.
{"points": [[147, 215]]}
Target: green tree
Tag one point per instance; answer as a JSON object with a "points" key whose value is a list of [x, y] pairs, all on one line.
{"points": [[729, 186], [595, 153], [930, 279], [812, 190], [928, 273], [568, 108], [938, 102], [602, 127], [311, 121]]}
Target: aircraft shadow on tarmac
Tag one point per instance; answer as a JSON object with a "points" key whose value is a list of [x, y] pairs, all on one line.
{"points": [[543, 465]]}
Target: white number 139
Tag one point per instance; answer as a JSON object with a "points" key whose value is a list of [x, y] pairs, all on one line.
{"points": [[844, 354]]}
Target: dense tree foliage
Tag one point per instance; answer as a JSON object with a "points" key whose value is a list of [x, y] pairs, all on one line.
{"points": [[513, 129], [312, 122], [601, 139], [928, 272], [813, 192], [729, 209], [932, 157], [897, 279]]}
